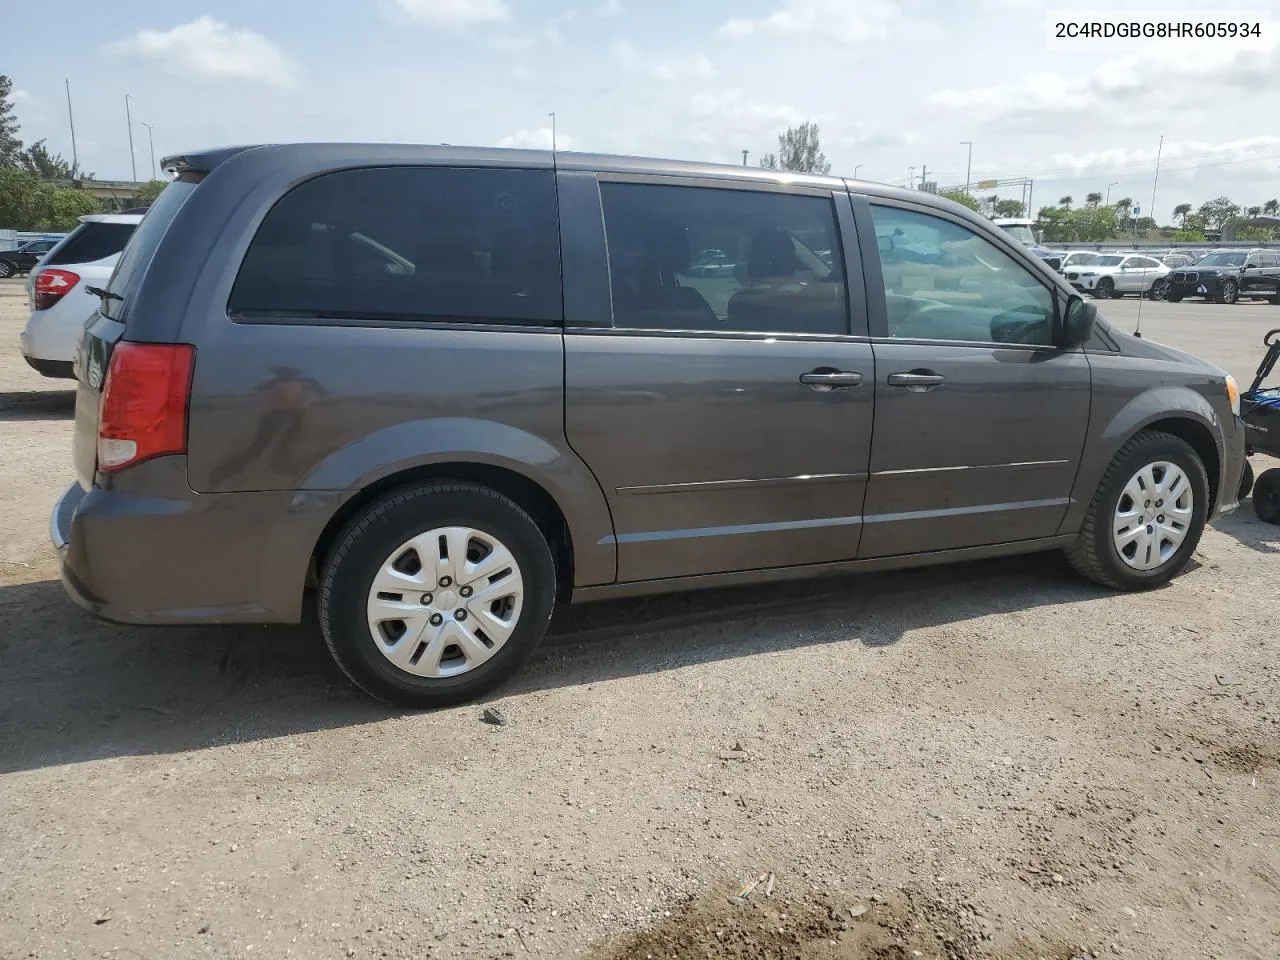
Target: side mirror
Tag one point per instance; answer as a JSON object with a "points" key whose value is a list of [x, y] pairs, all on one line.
{"points": [[1078, 320]]}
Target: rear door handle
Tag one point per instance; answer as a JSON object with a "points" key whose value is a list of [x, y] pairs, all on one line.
{"points": [[830, 379], [917, 381]]}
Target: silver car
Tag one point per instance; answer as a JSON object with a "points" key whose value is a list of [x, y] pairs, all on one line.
{"points": [[1115, 274]]}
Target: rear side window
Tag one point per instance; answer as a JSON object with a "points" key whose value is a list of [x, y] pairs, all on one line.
{"points": [[702, 258], [142, 245], [408, 244], [92, 241]]}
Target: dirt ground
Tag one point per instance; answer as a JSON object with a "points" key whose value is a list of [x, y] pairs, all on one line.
{"points": [[992, 760]]}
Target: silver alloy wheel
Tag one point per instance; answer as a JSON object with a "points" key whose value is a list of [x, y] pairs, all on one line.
{"points": [[445, 601], [1153, 516], [5, 269]]}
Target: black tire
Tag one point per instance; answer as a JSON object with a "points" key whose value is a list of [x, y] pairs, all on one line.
{"points": [[1106, 289], [1158, 290], [1171, 297], [1228, 292], [1246, 481], [1266, 496], [8, 269], [1094, 555], [375, 533]]}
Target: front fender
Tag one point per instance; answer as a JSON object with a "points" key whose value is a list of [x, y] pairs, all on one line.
{"points": [[413, 444], [1115, 418]]}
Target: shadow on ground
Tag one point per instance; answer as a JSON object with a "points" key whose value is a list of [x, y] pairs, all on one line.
{"points": [[1245, 527], [37, 405], [76, 689]]}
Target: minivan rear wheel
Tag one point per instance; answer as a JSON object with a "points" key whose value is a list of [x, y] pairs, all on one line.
{"points": [[436, 594], [1147, 516]]}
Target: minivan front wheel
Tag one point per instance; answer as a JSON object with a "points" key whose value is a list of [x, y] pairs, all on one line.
{"points": [[1146, 518], [436, 594]]}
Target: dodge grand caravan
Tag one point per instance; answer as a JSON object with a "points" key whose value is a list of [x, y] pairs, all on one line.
{"points": [[450, 388]]}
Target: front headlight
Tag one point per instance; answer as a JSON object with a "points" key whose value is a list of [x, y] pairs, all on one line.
{"points": [[1233, 394]]}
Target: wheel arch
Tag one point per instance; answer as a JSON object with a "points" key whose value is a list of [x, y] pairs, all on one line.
{"points": [[1179, 411], [528, 494]]}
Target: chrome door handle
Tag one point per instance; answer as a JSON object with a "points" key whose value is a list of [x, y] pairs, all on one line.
{"points": [[830, 380], [917, 381]]}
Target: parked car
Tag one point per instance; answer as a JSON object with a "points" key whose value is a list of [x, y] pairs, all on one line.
{"points": [[1078, 258], [1180, 258], [1225, 276], [543, 411], [1115, 274], [1021, 230], [61, 301], [25, 256]]}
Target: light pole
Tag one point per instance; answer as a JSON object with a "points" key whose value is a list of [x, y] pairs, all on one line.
{"points": [[968, 167], [744, 157], [911, 177], [152, 144], [552, 115], [133, 164], [75, 159], [1114, 183], [856, 168]]}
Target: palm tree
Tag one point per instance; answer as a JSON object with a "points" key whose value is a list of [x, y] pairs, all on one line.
{"points": [[1271, 207], [1253, 212], [1065, 203], [1123, 206], [1181, 211], [1093, 199]]}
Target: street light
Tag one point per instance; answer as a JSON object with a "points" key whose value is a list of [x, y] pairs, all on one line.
{"points": [[968, 167], [133, 164], [856, 168], [911, 177], [152, 144], [1114, 183]]}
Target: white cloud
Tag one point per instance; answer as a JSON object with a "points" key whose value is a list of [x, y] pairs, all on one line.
{"points": [[209, 48], [1140, 89], [611, 8], [452, 12], [19, 96], [537, 139], [840, 19]]}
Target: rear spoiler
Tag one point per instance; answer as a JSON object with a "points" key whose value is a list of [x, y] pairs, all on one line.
{"points": [[201, 161]]}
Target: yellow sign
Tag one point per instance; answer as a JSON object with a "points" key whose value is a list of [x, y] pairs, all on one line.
{"points": [[988, 184]]}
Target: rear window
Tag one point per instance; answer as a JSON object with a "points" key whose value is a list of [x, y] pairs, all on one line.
{"points": [[142, 245], [406, 244], [91, 241]]}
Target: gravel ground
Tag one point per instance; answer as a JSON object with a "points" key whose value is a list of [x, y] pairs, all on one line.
{"points": [[990, 760]]}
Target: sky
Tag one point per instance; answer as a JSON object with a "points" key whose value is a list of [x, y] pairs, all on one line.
{"points": [[893, 85]]}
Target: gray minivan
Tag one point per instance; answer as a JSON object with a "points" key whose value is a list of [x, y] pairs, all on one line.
{"points": [[449, 388]]}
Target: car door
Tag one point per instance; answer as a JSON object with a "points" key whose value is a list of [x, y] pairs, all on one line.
{"points": [[1131, 277], [980, 419], [1261, 275], [726, 416]]}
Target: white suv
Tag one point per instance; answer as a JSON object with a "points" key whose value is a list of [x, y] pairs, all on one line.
{"points": [[60, 301]]}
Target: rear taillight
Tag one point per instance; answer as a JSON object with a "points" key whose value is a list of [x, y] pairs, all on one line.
{"points": [[52, 285], [144, 403]]}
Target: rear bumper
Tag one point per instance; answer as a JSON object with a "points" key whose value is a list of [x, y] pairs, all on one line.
{"points": [[62, 369], [186, 557]]}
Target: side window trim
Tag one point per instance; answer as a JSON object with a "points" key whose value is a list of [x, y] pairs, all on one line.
{"points": [[877, 304]]}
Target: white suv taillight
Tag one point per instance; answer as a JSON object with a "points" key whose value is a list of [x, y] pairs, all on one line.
{"points": [[144, 403], [52, 285]]}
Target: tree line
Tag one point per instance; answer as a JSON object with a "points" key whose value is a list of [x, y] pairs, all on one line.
{"points": [[34, 190]]}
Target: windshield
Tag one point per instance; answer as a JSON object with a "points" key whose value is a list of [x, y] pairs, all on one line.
{"points": [[1107, 261], [1020, 232], [1223, 259], [1080, 259]]}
